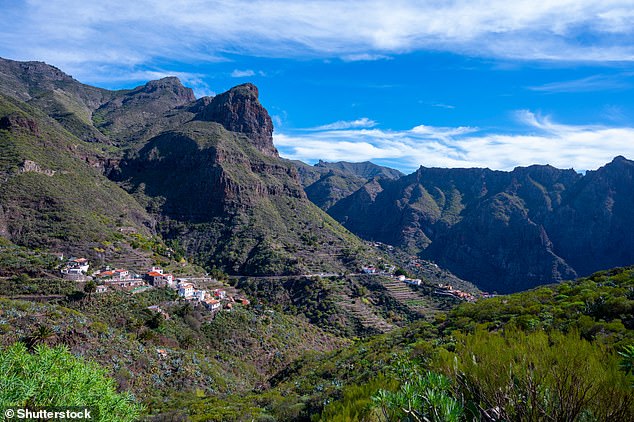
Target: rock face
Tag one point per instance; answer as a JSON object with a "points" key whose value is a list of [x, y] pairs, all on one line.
{"points": [[239, 110], [505, 231]]}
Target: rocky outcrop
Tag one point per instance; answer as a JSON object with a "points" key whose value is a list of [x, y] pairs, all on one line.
{"points": [[239, 110], [29, 166], [15, 121], [170, 86]]}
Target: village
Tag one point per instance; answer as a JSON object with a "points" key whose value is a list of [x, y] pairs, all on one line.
{"points": [[108, 279], [215, 299]]}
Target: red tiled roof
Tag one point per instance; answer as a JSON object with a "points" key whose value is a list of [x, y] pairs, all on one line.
{"points": [[154, 274]]}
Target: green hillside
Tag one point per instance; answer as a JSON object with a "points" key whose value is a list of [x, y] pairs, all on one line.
{"points": [[52, 193]]}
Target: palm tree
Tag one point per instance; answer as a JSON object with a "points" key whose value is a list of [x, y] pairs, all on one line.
{"points": [[41, 335]]}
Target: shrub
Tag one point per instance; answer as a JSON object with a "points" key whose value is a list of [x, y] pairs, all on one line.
{"points": [[54, 377]]}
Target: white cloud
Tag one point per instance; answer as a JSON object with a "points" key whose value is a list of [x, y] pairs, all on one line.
{"points": [[588, 84], [242, 73], [546, 142], [364, 57], [363, 122], [77, 35]]}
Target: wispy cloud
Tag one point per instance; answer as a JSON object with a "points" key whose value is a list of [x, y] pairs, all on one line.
{"points": [[545, 142], [363, 122], [443, 105], [242, 73], [78, 35], [589, 84], [364, 57]]}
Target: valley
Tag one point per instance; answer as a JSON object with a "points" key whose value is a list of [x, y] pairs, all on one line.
{"points": [[162, 240]]}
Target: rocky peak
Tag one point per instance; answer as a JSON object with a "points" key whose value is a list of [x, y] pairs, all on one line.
{"points": [[43, 71], [239, 110], [170, 85]]}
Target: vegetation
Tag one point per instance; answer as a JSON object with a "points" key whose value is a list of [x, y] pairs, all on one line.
{"points": [[54, 377]]}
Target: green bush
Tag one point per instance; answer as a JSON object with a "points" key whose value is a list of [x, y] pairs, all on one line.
{"points": [[54, 377], [535, 376]]}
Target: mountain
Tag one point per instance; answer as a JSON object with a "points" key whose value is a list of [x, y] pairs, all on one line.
{"points": [[327, 183], [365, 170], [203, 174], [505, 231]]}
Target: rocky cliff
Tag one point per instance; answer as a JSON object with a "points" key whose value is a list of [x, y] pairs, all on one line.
{"points": [[239, 110]]}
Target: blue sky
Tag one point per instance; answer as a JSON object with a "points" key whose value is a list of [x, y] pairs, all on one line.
{"points": [[402, 83]]}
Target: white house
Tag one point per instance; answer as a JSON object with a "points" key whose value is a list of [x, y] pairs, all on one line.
{"points": [[200, 294], [186, 290], [414, 281], [156, 270], [212, 304], [120, 274], [81, 263], [369, 270]]}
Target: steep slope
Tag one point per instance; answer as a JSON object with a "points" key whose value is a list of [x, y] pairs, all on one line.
{"points": [[52, 192], [60, 96], [137, 114], [206, 170], [593, 228]]}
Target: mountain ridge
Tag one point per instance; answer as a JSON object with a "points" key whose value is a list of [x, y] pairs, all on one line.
{"points": [[524, 225]]}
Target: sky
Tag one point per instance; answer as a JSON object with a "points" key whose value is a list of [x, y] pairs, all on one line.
{"points": [[452, 83]]}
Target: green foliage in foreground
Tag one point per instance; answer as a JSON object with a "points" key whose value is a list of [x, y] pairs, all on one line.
{"points": [[54, 377], [421, 396], [514, 375], [562, 352]]}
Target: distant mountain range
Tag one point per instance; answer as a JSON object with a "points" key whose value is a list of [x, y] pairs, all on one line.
{"points": [[505, 231]]}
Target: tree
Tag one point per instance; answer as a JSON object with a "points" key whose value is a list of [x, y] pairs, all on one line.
{"points": [[90, 287], [400, 271], [54, 377]]}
